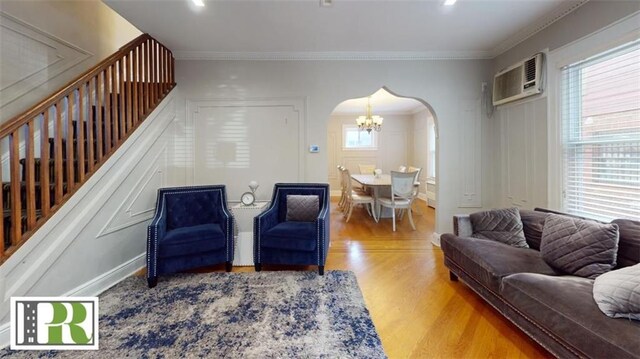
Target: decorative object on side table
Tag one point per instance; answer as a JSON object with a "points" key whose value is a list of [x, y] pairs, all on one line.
{"points": [[248, 198]]}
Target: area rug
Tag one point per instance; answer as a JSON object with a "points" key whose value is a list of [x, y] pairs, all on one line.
{"points": [[234, 315]]}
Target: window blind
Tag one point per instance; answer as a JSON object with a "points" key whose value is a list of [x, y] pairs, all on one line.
{"points": [[601, 134]]}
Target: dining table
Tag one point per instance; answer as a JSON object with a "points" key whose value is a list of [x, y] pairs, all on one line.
{"points": [[380, 186]]}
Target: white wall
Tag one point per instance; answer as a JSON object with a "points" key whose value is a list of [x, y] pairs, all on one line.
{"points": [[46, 44], [395, 146], [450, 87], [99, 236], [528, 170], [422, 120]]}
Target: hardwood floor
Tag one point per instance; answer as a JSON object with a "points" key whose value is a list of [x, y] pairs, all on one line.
{"points": [[417, 311]]}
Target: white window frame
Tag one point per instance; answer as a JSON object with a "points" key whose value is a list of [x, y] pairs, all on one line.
{"points": [[611, 37], [350, 128]]}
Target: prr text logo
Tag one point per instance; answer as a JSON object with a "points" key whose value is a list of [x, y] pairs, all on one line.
{"points": [[58, 323]]}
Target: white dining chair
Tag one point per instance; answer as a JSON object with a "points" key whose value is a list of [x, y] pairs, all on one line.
{"points": [[402, 195], [355, 197], [402, 169], [418, 171]]}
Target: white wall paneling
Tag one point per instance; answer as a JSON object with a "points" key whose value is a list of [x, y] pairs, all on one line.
{"points": [[102, 228], [31, 57], [470, 156], [236, 141], [523, 127]]}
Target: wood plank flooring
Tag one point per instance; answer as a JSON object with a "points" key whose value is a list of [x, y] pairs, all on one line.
{"points": [[417, 311]]}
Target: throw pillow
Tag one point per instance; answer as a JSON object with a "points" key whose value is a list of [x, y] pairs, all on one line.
{"points": [[617, 293], [502, 225], [302, 208], [579, 247]]}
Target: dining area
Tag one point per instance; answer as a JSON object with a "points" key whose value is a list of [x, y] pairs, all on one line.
{"points": [[383, 195]]}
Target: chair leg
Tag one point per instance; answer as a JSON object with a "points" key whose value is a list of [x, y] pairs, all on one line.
{"points": [[411, 218], [152, 282], [393, 211], [258, 267], [453, 277], [321, 270], [227, 266], [349, 211]]}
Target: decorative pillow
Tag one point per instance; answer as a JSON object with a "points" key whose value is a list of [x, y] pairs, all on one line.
{"points": [[579, 247], [617, 293], [302, 208], [502, 225]]}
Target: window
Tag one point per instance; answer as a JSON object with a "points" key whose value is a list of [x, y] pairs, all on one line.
{"points": [[601, 134], [354, 139]]}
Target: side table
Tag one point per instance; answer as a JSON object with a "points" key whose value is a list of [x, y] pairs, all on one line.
{"points": [[243, 231]]}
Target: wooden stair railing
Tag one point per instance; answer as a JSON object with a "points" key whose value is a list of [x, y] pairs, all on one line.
{"points": [[54, 147]]}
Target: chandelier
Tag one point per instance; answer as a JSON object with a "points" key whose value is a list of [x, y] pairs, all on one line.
{"points": [[369, 122]]}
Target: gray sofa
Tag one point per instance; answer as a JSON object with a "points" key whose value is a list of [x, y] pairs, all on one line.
{"points": [[556, 310]]}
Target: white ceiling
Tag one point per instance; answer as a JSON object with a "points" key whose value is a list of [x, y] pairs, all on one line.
{"points": [[349, 29], [291, 29]]}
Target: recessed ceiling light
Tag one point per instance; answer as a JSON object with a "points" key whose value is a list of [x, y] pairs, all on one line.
{"points": [[449, 2], [201, 2]]}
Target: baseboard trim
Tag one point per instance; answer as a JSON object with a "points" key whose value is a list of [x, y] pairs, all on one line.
{"points": [[91, 288]]}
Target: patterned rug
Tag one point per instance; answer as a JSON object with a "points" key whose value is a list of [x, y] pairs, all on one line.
{"points": [[234, 315]]}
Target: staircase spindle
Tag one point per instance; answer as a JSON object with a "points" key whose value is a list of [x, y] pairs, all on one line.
{"points": [[115, 108], [16, 203], [30, 167], [147, 74], [109, 104], [2, 234], [122, 118], [80, 126], [127, 91], [71, 104], [91, 137], [134, 79], [154, 68], [57, 151], [45, 189]]}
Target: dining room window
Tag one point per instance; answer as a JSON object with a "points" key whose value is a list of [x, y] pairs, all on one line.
{"points": [[601, 134], [355, 139]]}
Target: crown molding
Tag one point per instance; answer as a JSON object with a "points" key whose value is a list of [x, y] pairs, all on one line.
{"points": [[542, 23], [333, 55]]}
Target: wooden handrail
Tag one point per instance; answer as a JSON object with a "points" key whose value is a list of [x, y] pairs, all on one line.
{"points": [[79, 127]]}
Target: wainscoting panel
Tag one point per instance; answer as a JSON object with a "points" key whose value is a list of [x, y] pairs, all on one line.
{"points": [[30, 57], [237, 141], [470, 176]]}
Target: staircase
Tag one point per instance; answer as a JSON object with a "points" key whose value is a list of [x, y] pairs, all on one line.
{"points": [[54, 147]]}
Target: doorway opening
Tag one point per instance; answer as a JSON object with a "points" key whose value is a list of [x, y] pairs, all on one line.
{"points": [[406, 139]]}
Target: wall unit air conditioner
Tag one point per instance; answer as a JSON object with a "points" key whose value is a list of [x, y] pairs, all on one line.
{"points": [[518, 81]]}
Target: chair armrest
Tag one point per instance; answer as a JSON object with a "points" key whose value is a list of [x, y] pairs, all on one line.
{"points": [[323, 222], [156, 230], [462, 225]]}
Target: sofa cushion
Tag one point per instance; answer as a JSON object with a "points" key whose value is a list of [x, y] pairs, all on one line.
{"points": [[617, 293], [188, 240], [502, 225], [302, 208], [296, 236], [488, 261], [532, 225], [564, 306], [580, 247], [629, 245]]}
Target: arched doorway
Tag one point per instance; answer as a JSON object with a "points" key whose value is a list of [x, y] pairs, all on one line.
{"points": [[407, 138]]}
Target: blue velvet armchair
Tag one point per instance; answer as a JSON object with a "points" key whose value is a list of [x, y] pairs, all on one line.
{"points": [[278, 241], [192, 228]]}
